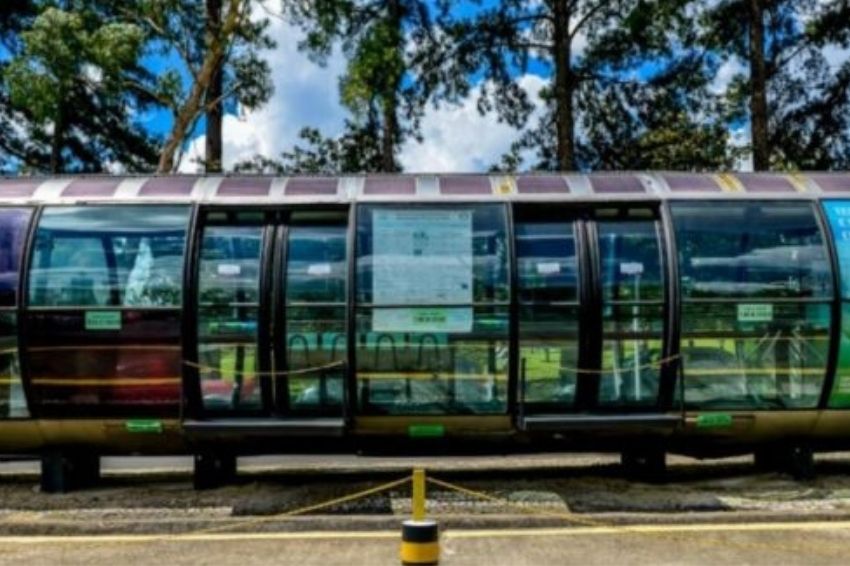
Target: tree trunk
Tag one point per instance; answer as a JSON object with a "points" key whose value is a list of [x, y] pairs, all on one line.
{"points": [[193, 105], [758, 94], [215, 106], [389, 110], [389, 136], [57, 140], [564, 86]]}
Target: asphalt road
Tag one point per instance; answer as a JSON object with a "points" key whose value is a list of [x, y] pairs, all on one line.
{"points": [[750, 543]]}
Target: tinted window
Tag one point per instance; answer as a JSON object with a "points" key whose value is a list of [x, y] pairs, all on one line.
{"points": [[109, 256], [13, 232], [756, 307], [632, 311], [751, 249], [427, 340], [838, 214], [548, 274], [546, 261], [228, 313]]}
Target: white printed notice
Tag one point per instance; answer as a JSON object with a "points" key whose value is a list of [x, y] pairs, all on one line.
{"points": [[422, 257]]}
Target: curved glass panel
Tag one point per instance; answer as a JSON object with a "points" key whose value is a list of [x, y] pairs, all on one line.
{"points": [[547, 265], [751, 249], [109, 256], [228, 313], [757, 287], [315, 316], [13, 402], [427, 343], [14, 223], [838, 214], [632, 311]]}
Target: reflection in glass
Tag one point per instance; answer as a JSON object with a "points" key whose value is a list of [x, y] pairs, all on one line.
{"points": [[547, 267], [228, 312], [632, 312], [426, 342], [315, 316], [775, 363], [741, 348], [434, 372], [109, 256], [13, 402], [13, 232], [751, 250]]}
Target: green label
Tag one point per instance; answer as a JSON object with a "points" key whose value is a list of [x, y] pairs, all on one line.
{"points": [[426, 431], [144, 426], [714, 420], [103, 320], [755, 313], [429, 317]]}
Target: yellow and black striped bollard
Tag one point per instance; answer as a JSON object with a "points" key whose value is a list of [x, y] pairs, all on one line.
{"points": [[420, 537]]}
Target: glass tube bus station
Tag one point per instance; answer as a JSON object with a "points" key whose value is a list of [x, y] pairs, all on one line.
{"points": [[641, 313]]}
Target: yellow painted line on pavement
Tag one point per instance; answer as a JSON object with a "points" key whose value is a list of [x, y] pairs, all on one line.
{"points": [[455, 534]]}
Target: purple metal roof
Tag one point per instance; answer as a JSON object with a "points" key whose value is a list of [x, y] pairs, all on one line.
{"points": [[765, 183], [465, 185], [832, 182], [92, 187], [616, 184], [686, 182], [168, 187], [541, 184], [306, 186], [245, 187], [18, 188], [396, 185]]}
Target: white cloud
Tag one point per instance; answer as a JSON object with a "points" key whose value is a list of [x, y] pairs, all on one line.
{"points": [[727, 71], [458, 138], [306, 94]]}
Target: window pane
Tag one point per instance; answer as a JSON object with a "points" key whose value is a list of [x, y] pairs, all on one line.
{"points": [[434, 372], [132, 367], [13, 402], [549, 353], [431, 255], [630, 255], [315, 337], [631, 350], [546, 261], [13, 232], [315, 264], [751, 250], [228, 295], [109, 256], [840, 395], [763, 356]]}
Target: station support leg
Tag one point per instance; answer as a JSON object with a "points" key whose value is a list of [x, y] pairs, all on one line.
{"points": [[214, 469], [796, 460], [64, 471], [645, 463]]}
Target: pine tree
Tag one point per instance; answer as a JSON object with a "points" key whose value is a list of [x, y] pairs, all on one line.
{"points": [[615, 76], [797, 104], [382, 87], [228, 51], [64, 106]]}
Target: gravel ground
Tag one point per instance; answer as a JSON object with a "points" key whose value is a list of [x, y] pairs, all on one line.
{"points": [[542, 488]]}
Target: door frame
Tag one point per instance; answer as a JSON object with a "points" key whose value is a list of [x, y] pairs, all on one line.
{"points": [[590, 329], [275, 222]]}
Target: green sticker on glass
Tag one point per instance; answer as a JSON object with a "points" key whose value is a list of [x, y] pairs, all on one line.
{"points": [[426, 431], [103, 320], [758, 312], [714, 420], [144, 426]]}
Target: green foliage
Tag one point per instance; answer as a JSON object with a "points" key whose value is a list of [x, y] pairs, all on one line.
{"points": [[63, 99], [355, 151], [808, 99]]}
